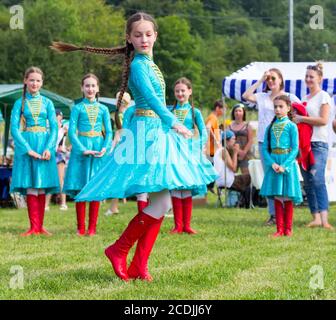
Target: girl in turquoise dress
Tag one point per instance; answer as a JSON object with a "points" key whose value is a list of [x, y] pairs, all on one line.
{"points": [[34, 130], [281, 181], [89, 146], [192, 118], [151, 159]]}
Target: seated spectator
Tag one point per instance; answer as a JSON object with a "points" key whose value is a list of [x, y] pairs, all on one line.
{"points": [[226, 164], [244, 136]]}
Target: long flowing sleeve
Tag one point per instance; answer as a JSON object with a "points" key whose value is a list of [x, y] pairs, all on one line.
{"points": [[108, 129], [294, 138], [51, 116], [267, 156], [73, 123], [20, 143], [201, 127], [128, 115], [139, 77]]}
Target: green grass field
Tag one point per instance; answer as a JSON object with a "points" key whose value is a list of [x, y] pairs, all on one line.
{"points": [[232, 257]]}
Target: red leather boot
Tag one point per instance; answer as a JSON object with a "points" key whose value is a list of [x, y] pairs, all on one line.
{"points": [[93, 216], [279, 217], [288, 218], [178, 214], [80, 211], [117, 252], [33, 214], [139, 265], [42, 200], [187, 212]]}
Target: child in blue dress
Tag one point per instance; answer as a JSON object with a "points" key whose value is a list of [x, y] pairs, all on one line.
{"points": [[34, 170], [281, 182], [192, 118], [89, 148], [147, 162]]}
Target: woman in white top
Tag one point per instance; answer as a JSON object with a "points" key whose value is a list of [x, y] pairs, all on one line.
{"points": [[264, 102], [318, 107]]}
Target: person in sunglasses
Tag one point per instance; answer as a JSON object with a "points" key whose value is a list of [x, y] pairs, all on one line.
{"points": [[265, 106]]}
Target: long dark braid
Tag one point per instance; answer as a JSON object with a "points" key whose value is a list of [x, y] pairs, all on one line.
{"points": [[62, 47], [269, 148], [129, 53], [22, 118]]}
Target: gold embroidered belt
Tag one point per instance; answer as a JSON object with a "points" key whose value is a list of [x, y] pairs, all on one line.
{"points": [[281, 151], [90, 134], [35, 129], [146, 113]]}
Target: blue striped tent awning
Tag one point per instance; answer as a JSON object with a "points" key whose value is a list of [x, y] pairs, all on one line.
{"points": [[294, 75]]}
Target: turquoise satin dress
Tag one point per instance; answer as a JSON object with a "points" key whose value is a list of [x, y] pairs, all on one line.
{"points": [[151, 157], [87, 121], [197, 144], [39, 134], [284, 135]]}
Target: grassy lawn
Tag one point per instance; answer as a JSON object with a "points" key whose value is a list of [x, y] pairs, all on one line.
{"points": [[232, 257]]}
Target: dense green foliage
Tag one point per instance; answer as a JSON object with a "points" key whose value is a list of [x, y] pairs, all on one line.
{"points": [[203, 40]]}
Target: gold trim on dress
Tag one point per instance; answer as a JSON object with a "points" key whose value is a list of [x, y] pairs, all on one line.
{"points": [[35, 129], [90, 133], [146, 113], [281, 151]]}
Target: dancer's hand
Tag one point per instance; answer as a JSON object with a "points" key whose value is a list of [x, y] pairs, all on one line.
{"points": [[34, 154], [90, 153], [101, 153], [275, 167], [46, 155], [182, 130], [281, 169]]}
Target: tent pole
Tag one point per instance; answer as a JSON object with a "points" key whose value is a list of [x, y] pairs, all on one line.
{"points": [[224, 146], [291, 31], [7, 114]]}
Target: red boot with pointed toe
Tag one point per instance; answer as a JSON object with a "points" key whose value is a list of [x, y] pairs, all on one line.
{"points": [[288, 218], [139, 265], [279, 217], [80, 211], [178, 215], [117, 252], [33, 214], [42, 200], [93, 216], [187, 212]]}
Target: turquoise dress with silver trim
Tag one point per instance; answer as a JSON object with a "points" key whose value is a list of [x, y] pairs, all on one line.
{"points": [[197, 144], [86, 124], [39, 134], [285, 139], [151, 157]]}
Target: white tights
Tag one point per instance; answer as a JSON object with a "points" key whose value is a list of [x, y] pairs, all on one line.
{"points": [[35, 192], [159, 204], [181, 194], [142, 197]]}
